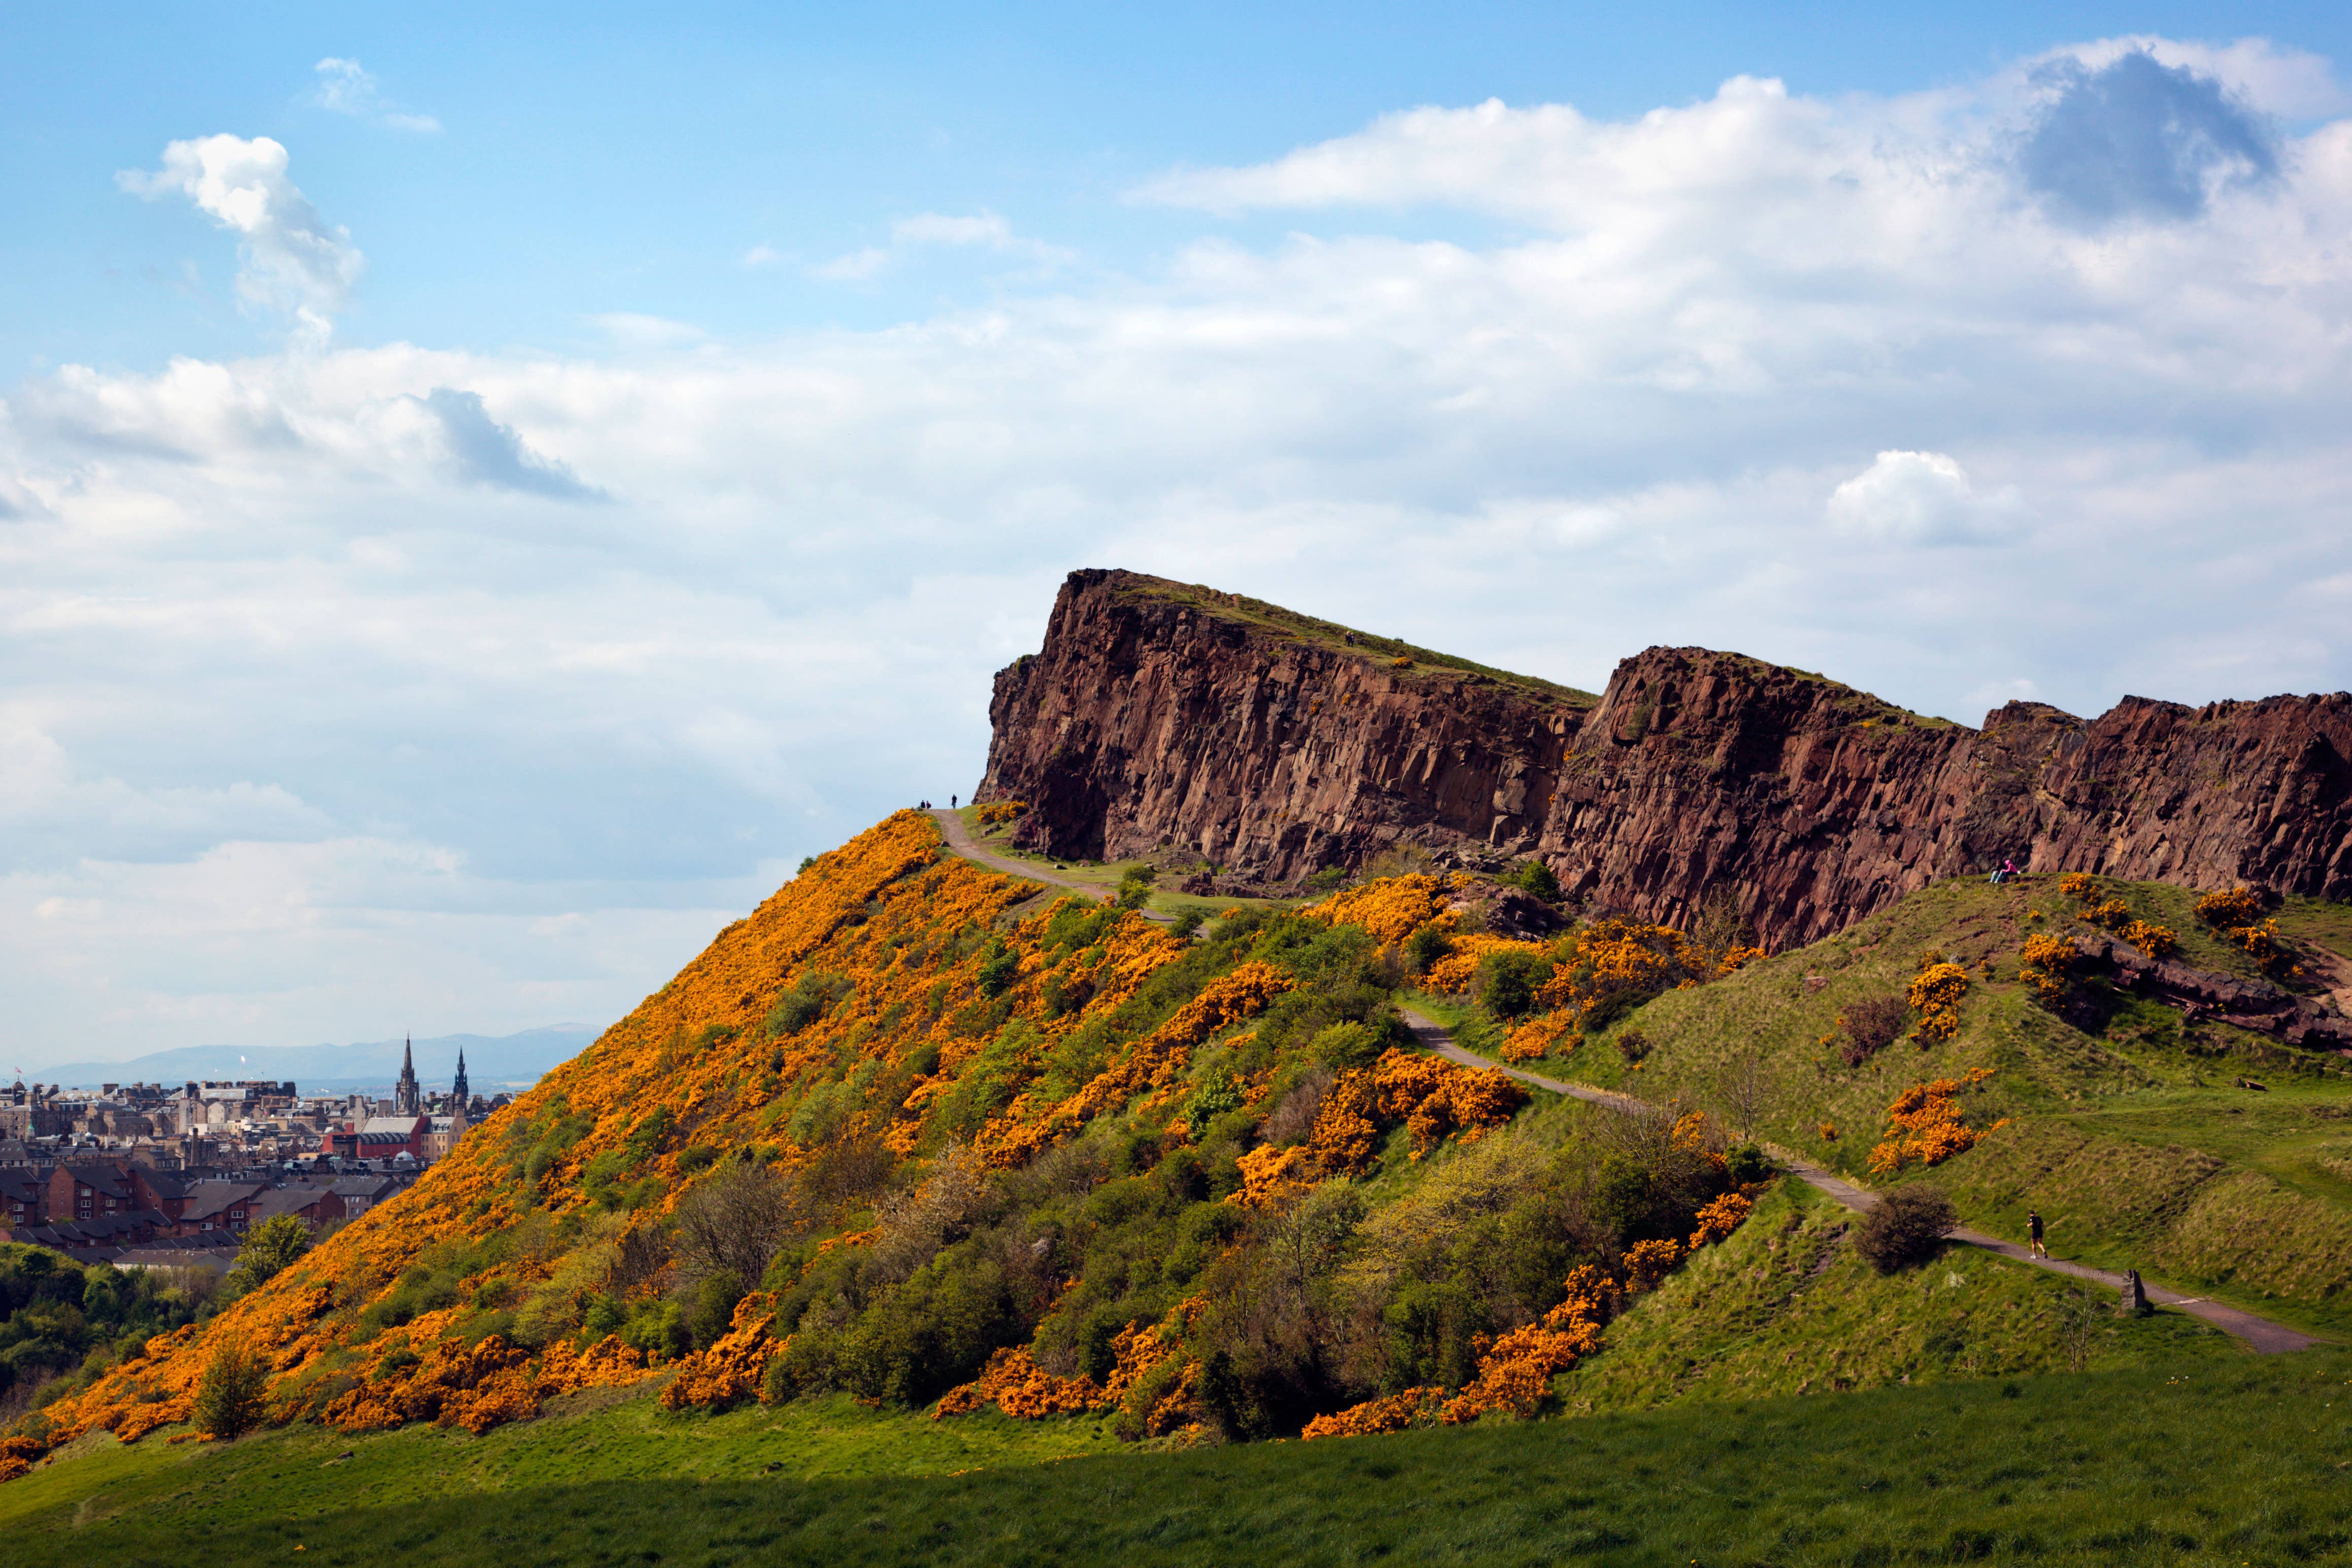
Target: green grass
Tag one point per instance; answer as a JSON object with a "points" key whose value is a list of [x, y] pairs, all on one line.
{"points": [[2133, 1140], [2241, 1461], [1786, 1305]]}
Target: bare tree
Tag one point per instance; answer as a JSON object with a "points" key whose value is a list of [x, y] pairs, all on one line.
{"points": [[735, 1223], [1747, 1087], [912, 1226]]}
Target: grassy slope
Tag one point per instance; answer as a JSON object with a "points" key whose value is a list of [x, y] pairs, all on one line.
{"points": [[2134, 1142], [2242, 1461], [1103, 876], [1786, 1306], [1329, 636]]}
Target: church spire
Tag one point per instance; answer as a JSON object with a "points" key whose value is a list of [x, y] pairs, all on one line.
{"points": [[458, 1092], [406, 1098]]}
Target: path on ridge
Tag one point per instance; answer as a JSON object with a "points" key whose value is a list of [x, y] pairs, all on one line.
{"points": [[2260, 1334], [961, 842]]}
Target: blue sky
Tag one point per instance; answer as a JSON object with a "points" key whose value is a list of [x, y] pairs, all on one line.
{"points": [[481, 495]]}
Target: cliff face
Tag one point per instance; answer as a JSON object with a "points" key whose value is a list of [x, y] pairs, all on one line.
{"points": [[1160, 715]]}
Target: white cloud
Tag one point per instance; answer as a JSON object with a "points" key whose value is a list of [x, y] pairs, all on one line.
{"points": [[762, 255], [983, 231], [1919, 498], [293, 260], [346, 88], [340, 605]]}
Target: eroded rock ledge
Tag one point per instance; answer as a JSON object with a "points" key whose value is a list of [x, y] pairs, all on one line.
{"points": [[1158, 715]]}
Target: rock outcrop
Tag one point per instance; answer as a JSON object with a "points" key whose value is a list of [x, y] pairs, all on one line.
{"points": [[1163, 716], [2255, 1005]]}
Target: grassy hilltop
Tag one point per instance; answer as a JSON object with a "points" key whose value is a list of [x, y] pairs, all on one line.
{"points": [[920, 1179]]}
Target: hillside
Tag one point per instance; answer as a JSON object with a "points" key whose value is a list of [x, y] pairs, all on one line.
{"points": [[920, 1167], [1164, 719], [913, 1124], [2121, 1118]]}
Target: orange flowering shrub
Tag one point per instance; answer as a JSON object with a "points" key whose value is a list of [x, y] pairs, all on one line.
{"points": [[1720, 1218], [1924, 1126], [1516, 1372], [1936, 991], [2238, 916], [2155, 941], [1647, 1262], [997, 813], [2230, 910], [1016, 1385], [729, 1372], [1537, 1037], [2045, 964], [2115, 914], [1272, 1177], [1392, 908], [1433, 1098], [2076, 885], [17, 1454], [1413, 1408]]}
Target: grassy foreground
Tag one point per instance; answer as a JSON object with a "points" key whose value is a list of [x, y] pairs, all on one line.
{"points": [[2243, 1461]]}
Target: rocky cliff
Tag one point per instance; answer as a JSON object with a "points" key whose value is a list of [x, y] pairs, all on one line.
{"points": [[1162, 717]]}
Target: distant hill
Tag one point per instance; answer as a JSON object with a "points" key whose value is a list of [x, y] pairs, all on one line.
{"points": [[491, 1061]]}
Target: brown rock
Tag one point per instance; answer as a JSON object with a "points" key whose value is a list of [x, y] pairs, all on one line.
{"points": [[1161, 713]]}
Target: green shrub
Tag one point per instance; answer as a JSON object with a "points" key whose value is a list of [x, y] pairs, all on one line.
{"points": [[1507, 981], [1535, 878], [231, 1399], [1907, 1227], [1345, 1045], [1426, 946], [999, 968], [1187, 923], [714, 1309]]}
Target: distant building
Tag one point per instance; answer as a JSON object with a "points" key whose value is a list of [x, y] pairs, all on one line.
{"points": [[406, 1099]]}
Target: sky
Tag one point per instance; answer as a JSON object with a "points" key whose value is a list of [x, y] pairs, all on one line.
{"points": [[483, 496]]}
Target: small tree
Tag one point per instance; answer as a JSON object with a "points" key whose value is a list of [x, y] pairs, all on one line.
{"points": [[1747, 1086], [230, 1400], [269, 1247], [1907, 1227]]}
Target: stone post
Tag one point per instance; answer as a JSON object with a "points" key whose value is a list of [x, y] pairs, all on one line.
{"points": [[2133, 1301]]}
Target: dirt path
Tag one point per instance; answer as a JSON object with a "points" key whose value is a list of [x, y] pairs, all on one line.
{"points": [[961, 842], [2260, 1333]]}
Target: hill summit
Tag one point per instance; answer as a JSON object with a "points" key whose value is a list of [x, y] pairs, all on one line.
{"points": [[1161, 715]]}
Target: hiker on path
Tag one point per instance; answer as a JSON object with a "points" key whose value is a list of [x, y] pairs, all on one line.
{"points": [[2033, 1232], [951, 802]]}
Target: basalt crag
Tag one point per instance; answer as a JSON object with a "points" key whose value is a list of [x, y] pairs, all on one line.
{"points": [[1159, 716]]}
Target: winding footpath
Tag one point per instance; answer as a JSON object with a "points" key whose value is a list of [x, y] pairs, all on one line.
{"points": [[2260, 1334], [961, 842]]}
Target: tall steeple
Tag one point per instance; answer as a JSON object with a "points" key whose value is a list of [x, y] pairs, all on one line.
{"points": [[406, 1098], [458, 1090]]}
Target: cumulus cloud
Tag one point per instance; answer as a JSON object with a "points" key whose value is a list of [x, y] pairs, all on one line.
{"points": [[292, 261], [1919, 498], [346, 88], [1644, 412]]}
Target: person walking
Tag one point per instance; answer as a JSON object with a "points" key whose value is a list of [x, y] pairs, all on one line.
{"points": [[951, 802], [2033, 1232]]}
